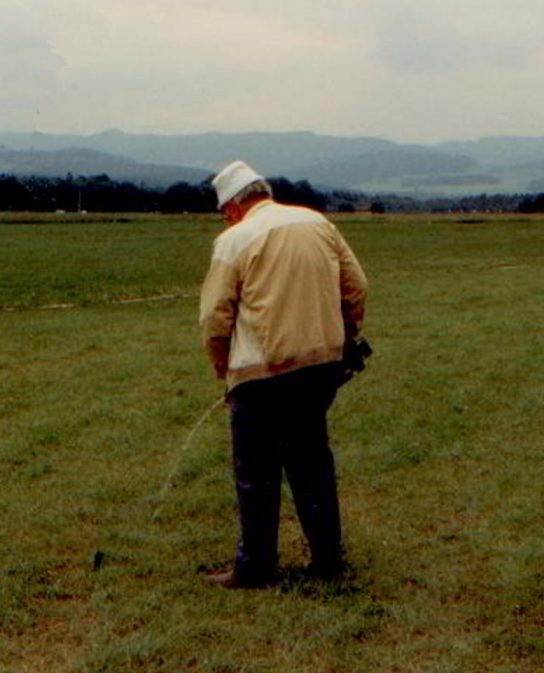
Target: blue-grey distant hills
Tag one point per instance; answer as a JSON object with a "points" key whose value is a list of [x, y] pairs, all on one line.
{"points": [[491, 165], [78, 161]]}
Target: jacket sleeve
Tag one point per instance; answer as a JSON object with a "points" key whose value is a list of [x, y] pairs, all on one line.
{"points": [[218, 310], [353, 289]]}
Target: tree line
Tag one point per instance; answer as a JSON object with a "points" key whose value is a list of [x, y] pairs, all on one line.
{"points": [[101, 194]]}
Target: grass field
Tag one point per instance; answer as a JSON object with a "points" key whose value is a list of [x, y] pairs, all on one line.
{"points": [[439, 445]]}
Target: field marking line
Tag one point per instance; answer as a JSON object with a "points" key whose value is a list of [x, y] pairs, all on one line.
{"points": [[113, 302]]}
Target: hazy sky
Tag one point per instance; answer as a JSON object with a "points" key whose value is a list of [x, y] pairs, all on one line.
{"points": [[408, 70]]}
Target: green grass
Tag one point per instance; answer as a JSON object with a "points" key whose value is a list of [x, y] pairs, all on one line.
{"points": [[439, 448], [100, 260]]}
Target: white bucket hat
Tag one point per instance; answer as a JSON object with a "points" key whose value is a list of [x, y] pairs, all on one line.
{"points": [[232, 179]]}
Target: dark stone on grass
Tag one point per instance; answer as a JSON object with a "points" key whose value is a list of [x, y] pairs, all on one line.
{"points": [[98, 559]]}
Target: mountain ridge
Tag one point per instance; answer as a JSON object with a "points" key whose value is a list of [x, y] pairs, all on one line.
{"points": [[86, 162], [505, 163]]}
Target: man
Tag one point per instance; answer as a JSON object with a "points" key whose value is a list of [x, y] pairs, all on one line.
{"points": [[282, 294]]}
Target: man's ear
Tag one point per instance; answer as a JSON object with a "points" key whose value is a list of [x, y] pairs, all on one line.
{"points": [[233, 212]]}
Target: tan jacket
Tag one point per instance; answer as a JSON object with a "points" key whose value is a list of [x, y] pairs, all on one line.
{"points": [[282, 291]]}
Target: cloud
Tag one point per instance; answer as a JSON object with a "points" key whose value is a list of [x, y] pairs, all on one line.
{"points": [[376, 67], [29, 65], [189, 66], [451, 36], [188, 36]]}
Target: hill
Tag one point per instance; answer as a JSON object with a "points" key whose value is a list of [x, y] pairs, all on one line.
{"points": [[374, 165], [78, 161]]}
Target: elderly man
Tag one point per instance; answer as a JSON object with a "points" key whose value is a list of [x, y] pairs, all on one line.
{"points": [[282, 294]]}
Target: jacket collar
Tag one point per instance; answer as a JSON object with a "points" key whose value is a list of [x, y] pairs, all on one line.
{"points": [[257, 207]]}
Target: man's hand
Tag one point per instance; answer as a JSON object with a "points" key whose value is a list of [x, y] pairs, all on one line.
{"points": [[218, 350]]}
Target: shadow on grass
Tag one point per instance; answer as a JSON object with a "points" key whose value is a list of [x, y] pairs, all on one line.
{"points": [[300, 580]]}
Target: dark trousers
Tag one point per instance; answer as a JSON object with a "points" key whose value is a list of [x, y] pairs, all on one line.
{"points": [[279, 424]]}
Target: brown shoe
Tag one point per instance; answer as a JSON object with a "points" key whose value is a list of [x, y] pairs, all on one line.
{"points": [[230, 580], [225, 580]]}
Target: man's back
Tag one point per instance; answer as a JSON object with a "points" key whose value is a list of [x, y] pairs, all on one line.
{"points": [[278, 276]]}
